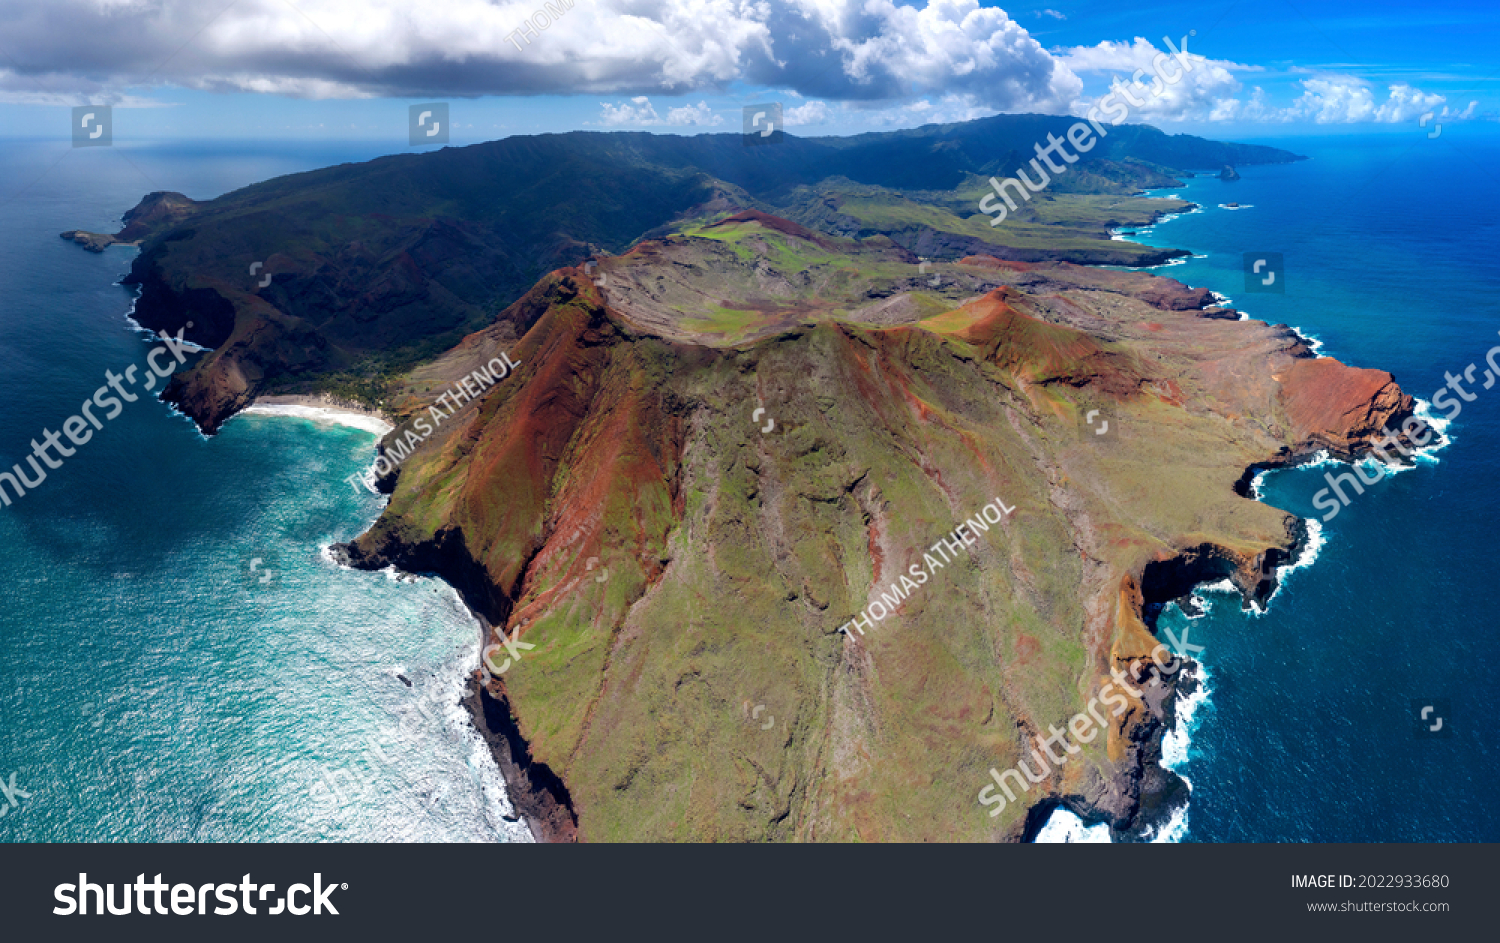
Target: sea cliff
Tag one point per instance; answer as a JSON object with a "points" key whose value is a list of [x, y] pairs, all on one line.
{"points": [[624, 448]]}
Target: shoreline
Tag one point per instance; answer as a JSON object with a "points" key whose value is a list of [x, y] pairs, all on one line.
{"points": [[321, 408], [537, 797], [1071, 823], [488, 718], [490, 721]]}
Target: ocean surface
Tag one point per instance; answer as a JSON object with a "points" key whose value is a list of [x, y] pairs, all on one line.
{"points": [[181, 662], [1310, 729], [179, 659]]}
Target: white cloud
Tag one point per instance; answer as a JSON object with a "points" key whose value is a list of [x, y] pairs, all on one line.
{"points": [[1194, 95], [887, 51], [1210, 91], [814, 112], [1344, 100], [637, 111], [640, 112], [700, 115], [833, 50], [883, 61]]}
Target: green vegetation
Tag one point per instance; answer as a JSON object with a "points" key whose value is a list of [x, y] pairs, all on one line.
{"points": [[403, 256], [1052, 225], [701, 689]]}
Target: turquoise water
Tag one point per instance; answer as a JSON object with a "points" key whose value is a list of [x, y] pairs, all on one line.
{"points": [[181, 662], [157, 689], [1309, 732]]}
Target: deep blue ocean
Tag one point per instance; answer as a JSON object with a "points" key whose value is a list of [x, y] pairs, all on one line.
{"points": [[1311, 727], [178, 659], [157, 687]]}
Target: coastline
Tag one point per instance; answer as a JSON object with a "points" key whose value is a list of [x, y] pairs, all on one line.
{"points": [[538, 799], [1162, 817], [534, 804], [322, 408], [1066, 822]]}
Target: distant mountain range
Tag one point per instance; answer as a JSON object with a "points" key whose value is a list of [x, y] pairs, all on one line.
{"points": [[370, 268]]}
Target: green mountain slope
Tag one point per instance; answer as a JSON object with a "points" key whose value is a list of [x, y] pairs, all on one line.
{"points": [[341, 279], [687, 573]]}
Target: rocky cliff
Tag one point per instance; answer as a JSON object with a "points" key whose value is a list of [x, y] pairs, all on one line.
{"points": [[339, 280], [708, 463]]}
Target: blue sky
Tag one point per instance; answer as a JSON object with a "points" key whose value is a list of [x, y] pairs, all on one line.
{"points": [[349, 69]]}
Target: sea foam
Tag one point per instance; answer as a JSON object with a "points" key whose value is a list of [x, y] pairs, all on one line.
{"points": [[1063, 827], [329, 414]]}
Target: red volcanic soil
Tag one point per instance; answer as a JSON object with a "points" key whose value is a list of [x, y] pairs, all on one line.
{"points": [[1338, 405], [1038, 350]]}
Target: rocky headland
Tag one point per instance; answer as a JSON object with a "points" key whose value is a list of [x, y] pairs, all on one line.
{"points": [[778, 382], [625, 446]]}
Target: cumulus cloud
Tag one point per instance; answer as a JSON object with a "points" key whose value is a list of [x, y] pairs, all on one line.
{"points": [[834, 50], [1344, 100], [814, 112], [1195, 95], [700, 115], [882, 61], [878, 50], [640, 112], [636, 111], [1211, 91], [1335, 101]]}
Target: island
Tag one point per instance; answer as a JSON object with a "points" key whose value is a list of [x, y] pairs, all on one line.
{"points": [[744, 396]]}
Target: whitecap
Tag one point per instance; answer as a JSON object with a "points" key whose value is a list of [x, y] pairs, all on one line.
{"points": [[1176, 750], [1314, 342], [1256, 482], [1176, 745], [1440, 425], [1307, 555], [329, 414], [1173, 830], [1320, 457], [1200, 604], [1064, 827]]}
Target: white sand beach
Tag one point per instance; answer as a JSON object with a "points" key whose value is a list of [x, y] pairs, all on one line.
{"points": [[320, 410]]}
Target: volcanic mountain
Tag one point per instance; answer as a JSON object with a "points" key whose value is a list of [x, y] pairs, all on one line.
{"points": [[783, 376], [683, 567]]}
